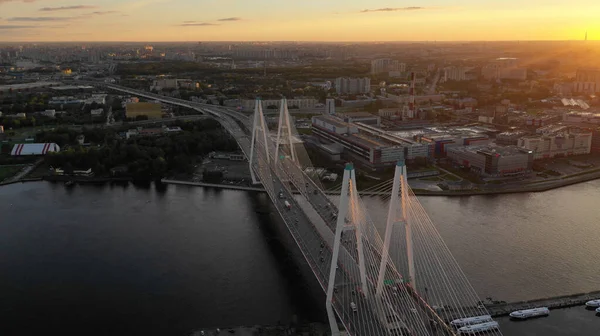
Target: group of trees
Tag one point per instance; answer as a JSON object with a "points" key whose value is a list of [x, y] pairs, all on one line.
{"points": [[145, 157]]}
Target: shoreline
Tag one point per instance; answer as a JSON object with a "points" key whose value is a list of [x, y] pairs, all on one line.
{"points": [[540, 187]]}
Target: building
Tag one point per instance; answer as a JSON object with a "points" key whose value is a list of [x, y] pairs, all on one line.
{"points": [[510, 138], [582, 117], [362, 117], [345, 85], [573, 142], [97, 112], [99, 99], [384, 65], [442, 142], [1, 129], [412, 149], [165, 83], [248, 104], [504, 68], [330, 106], [151, 110], [227, 156], [455, 74], [25, 87], [388, 112], [367, 150], [587, 81], [34, 149], [493, 161], [539, 121]]}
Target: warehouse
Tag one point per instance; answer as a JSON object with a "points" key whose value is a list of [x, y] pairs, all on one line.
{"points": [[34, 149]]}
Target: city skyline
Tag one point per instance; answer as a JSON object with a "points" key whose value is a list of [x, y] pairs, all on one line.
{"points": [[311, 20]]}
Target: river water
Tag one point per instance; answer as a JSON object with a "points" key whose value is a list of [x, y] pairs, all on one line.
{"points": [[115, 260]]}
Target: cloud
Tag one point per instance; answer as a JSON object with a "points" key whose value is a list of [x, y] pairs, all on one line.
{"points": [[231, 19], [39, 18], [53, 9], [103, 12], [2, 27], [4, 1], [197, 24], [394, 9]]}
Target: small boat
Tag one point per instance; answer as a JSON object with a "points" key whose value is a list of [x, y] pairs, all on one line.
{"points": [[461, 322], [598, 310], [528, 313], [69, 183], [478, 328], [593, 303]]}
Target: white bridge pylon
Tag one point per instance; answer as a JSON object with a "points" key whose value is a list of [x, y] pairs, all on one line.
{"points": [[347, 197], [398, 200], [259, 129], [285, 130]]}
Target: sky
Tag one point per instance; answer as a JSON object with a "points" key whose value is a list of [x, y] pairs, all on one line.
{"points": [[298, 20]]}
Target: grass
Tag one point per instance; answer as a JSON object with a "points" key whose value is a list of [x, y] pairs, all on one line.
{"points": [[432, 178], [41, 171], [450, 177], [307, 131], [8, 171]]}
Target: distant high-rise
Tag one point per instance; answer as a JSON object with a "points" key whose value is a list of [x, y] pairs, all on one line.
{"points": [[352, 85], [330, 106], [386, 65]]}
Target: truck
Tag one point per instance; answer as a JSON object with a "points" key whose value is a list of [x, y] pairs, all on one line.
{"points": [[287, 205]]}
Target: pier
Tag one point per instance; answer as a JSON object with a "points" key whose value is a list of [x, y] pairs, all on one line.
{"points": [[565, 301]]}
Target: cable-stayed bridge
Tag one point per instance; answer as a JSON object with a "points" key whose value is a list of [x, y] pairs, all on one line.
{"points": [[402, 280]]}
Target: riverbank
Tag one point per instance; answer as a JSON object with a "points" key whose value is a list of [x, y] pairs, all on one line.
{"points": [[531, 187], [565, 301], [213, 185], [84, 179], [258, 330]]}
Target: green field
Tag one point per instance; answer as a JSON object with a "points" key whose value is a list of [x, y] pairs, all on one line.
{"points": [[8, 171]]}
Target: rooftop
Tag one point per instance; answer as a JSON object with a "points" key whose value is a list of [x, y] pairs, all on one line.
{"points": [[358, 115], [492, 150], [27, 85], [72, 87], [333, 120]]}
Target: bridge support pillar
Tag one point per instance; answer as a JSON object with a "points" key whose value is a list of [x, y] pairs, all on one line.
{"points": [[258, 125], [285, 127], [341, 218], [391, 220], [398, 198]]}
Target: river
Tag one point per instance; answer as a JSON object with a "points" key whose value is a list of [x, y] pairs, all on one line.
{"points": [[115, 260]]}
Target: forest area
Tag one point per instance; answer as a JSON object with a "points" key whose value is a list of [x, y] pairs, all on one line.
{"points": [[141, 158]]}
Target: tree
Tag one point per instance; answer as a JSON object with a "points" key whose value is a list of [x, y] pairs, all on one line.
{"points": [[68, 168]]}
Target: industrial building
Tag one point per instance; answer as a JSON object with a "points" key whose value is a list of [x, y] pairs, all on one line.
{"points": [[368, 150], [509, 138], [34, 149], [363, 117], [493, 161], [372, 146], [442, 142], [582, 117], [573, 142], [151, 110]]}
